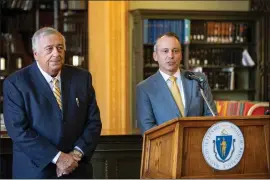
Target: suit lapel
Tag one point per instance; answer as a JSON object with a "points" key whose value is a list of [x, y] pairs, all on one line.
{"points": [[65, 87], [164, 90], [188, 89], [42, 86]]}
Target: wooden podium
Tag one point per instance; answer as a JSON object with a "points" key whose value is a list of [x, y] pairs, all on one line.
{"points": [[174, 149]]}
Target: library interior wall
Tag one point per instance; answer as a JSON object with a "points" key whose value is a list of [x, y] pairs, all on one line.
{"points": [[112, 74]]}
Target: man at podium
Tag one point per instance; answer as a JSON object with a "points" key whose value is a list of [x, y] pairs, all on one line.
{"points": [[169, 93]]}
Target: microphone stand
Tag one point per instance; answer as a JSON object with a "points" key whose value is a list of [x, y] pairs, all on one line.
{"points": [[205, 100]]}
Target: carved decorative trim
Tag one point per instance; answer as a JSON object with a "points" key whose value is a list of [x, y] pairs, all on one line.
{"points": [[260, 5]]}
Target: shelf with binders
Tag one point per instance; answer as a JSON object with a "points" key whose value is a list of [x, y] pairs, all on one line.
{"points": [[13, 54], [224, 44], [78, 5], [229, 70], [222, 32], [17, 27], [15, 6], [73, 25], [153, 28], [221, 58], [220, 46], [228, 80]]}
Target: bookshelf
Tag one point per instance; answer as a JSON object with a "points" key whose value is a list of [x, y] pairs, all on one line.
{"points": [[73, 23], [19, 19], [215, 46]]}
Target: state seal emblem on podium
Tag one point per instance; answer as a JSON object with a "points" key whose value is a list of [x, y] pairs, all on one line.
{"points": [[223, 145]]}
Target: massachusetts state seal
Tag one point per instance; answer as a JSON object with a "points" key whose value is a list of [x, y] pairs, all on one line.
{"points": [[223, 145]]}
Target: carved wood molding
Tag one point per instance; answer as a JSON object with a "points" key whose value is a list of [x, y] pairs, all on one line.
{"points": [[260, 5]]}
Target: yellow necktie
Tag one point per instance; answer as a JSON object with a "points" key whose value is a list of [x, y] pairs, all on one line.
{"points": [[176, 95], [57, 92]]}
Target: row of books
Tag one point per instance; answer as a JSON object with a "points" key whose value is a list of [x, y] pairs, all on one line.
{"points": [[153, 28], [11, 43], [217, 80], [216, 56], [207, 57], [73, 4], [28, 4], [64, 4], [236, 108], [187, 31], [11, 49], [219, 32], [25, 5], [221, 80]]}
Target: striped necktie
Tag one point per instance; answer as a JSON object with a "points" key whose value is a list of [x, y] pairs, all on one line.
{"points": [[57, 92], [176, 95]]}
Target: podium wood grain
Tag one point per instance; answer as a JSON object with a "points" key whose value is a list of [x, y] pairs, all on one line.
{"points": [[174, 149]]}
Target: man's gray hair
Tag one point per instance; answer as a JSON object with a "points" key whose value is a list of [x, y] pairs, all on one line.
{"points": [[44, 32], [155, 46]]}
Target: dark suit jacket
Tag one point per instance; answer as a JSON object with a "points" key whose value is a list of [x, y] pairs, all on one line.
{"points": [[37, 126], [155, 103]]}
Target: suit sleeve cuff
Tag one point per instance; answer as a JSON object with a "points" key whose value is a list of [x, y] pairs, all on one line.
{"points": [[56, 157], [79, 149]]}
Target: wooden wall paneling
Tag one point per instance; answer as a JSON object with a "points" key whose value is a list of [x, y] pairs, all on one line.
{"points": [[116, 157]]}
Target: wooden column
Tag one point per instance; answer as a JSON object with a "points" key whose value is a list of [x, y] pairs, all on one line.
{"points": [[108, 62]]}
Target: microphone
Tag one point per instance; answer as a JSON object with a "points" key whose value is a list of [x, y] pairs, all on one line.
{"points": [[191, 76]]}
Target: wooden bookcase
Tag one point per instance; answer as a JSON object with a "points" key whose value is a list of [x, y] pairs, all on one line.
{"points": [[73, 23], [228, 54], [19, 19], [248, 80]]}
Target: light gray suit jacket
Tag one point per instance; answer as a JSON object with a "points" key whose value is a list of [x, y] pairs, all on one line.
{"points": [[155, 104]]}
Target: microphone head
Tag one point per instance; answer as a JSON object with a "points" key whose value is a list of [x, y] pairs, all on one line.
{"points": [[188, 75], [191, 76]]}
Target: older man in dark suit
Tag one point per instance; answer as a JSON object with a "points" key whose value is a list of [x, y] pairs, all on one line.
{"points": [[51, 113]]}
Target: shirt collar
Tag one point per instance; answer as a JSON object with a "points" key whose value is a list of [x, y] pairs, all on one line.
{"points": [[166, 76], [48, 77]]}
